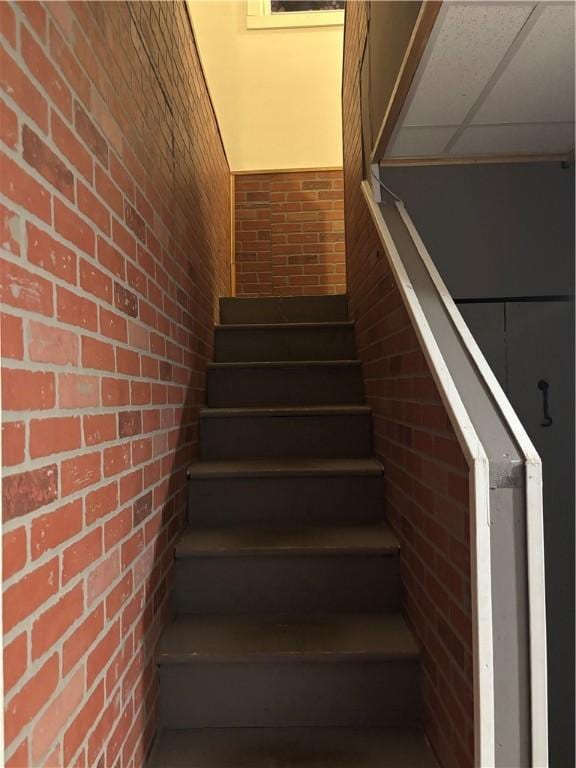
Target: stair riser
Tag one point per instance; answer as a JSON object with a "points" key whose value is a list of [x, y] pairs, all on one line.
{"points": [[266, 584], [223, 501], [289, 695], [261, 387], [282, 344], [294, 309], [293, 748], [262, 437]]}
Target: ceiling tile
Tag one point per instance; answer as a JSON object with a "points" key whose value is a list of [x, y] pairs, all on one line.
{"points": [[537, 85], [466, 47], [515, 139], [415, 142]]}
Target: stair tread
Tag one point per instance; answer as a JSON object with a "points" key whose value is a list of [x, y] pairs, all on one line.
{"points": [[285, 468], [293, 748], [295, 539], [286, 637], [284, 326], [304, 410], [256, 364]]}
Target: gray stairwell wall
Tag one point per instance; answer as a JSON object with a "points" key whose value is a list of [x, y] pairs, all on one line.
{"points": [[507, 231], [494, 230]]}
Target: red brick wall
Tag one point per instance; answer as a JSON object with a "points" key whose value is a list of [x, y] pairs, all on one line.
{"points": [[290, 233], [426, 474], [115, 242]]}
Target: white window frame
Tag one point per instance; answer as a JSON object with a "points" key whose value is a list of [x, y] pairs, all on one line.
{"points": [[259, 16]]}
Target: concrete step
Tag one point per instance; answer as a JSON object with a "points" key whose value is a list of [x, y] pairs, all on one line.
{"points": [[259, 433], [283, 342], [270, 671], [225, 493], [333, 382], [288, 309], [287, 569], [293, 748]]}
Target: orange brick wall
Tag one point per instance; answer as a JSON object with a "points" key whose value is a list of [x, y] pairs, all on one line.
{"points": [[115, 220], [290, 233], [426, 473]]}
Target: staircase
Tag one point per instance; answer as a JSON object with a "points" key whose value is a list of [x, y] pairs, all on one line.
{"points": [[288, 648]]}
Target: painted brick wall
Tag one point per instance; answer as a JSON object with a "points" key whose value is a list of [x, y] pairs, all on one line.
{"points": [[115, 220], [426, 474], [290, 233]]}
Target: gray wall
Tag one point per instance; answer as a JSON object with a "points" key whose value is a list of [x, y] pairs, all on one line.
{"points": [[494, 230], [497, 231]]}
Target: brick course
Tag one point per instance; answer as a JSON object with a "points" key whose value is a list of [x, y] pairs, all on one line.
{"points": [[426, 473], [290, 233], [115, 244]]}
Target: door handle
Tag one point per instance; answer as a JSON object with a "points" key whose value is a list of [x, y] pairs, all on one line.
{"points": [[543, 386]]}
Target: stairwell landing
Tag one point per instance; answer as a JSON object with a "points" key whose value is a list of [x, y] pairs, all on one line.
{"points": [[288, 647]]}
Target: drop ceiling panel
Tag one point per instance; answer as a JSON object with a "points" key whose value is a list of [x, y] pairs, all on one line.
{"points": [[496, 78], [520, 139], [469, 42], [416, 142], [537, 84]]}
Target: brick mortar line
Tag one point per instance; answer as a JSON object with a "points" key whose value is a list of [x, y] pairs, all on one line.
{"points": [[459, 603], [54, 505], [56, 280], [53, 321], [81, 580], [29, 728], [33, 564], [464, 715], [153, 67], [53, 191], [443, 615], [78, 665], [453, 663], [85, 450], [42, 415], [447, 682], [442, 463], [34, 366], [93, 86], [463, 471], [380, 399], [437, 494], [148, 595], [447, 433], [385, 337], [434, 546], [17, 55], [91, 410], [453, 600]]}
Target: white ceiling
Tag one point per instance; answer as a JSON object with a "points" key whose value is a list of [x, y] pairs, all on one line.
{"points": [[496, 78]]}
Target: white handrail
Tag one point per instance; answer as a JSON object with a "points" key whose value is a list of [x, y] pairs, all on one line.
{"points": [[479, 485], [479, 495], [534, 508]]}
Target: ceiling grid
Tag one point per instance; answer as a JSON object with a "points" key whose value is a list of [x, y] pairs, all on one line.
{"points": [[496, 79]]}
